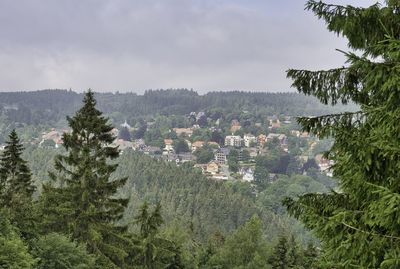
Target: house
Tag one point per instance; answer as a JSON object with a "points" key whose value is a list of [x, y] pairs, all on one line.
{"points": [[183, 131], [274, 124], [197, 145], [138, 144], [122, 144], [323, 163], [220, 176], [115, 132], [253, 152], [235, 126], [233, 141], [295, 133], [213, 144], [171, 157], [55, 136], [203, 167], [280, 137], [262, 139], [169, 145], [272, 177], [200, 114], [212, 167], [221, 155], [188, 143], [248, 174], [186, 157], [150, 150], [249, 139]]}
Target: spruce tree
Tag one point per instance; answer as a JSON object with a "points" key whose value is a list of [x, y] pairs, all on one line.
{"points": [[279, 258], [310, 256], [359, 224], [85, 203], [155, 251], [16, 186]]}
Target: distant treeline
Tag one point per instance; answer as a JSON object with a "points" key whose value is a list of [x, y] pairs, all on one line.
{"points": [[49, 107]]}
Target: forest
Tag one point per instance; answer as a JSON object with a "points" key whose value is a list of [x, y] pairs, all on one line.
{"points": [[148, 214], [33, 112], [88, 204]]}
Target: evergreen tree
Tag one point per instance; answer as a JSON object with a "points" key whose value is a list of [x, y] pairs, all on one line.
{"points": [[13, 252], [233, 161], [57, 251], [359, 225], [155, 251], [86, 205], [244, 248], [261, 175], [293, 257], [279, 259], [181, 146], [124, 134], [310, 256], [16, 186]]}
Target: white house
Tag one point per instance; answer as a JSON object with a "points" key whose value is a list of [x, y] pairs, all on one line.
{"points": [[233, 141], [249, 139]]}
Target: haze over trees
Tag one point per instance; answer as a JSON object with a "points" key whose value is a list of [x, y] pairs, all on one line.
{"points": [[88, 204], [90, 211]]}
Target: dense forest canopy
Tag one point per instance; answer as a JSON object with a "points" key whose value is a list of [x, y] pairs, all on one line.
{"points": [[51, 106]]}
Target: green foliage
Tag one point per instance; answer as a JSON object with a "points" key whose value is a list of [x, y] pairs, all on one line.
{"points": [[85, 205], [16, 186], [233, 161], [358, 225], [186, 195], [261, 175], [184, 240], [57, 251], [204, 154], [13, 251], [181, 146], [279, 258], [310, 256], [286, 186], [154, 251], [48, 144], [245, 248]]}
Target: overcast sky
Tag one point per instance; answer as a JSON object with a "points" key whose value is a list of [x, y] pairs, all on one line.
{"points": [[132, 45]]}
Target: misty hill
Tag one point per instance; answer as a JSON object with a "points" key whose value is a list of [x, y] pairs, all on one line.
{"points": [[49, 107]]}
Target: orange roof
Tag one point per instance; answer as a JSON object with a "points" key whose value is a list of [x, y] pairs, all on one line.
{"points": [[168, 141], [198, 144]]}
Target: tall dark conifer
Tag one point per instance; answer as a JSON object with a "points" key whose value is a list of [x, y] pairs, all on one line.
{"points": [[86, 204], [16, 187], [358, 225]]}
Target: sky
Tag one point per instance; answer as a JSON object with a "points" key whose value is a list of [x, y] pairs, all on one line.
{"points": [[132, 45]]}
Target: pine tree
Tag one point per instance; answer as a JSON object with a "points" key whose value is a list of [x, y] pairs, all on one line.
{"points": [[16, 186], [85, 204], [358, 225]]}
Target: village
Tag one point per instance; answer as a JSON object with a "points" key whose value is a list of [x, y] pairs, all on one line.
{"points": [[233, 157]]}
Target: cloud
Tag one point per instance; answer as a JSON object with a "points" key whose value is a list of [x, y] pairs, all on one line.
{"points": [[131, 45]]}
